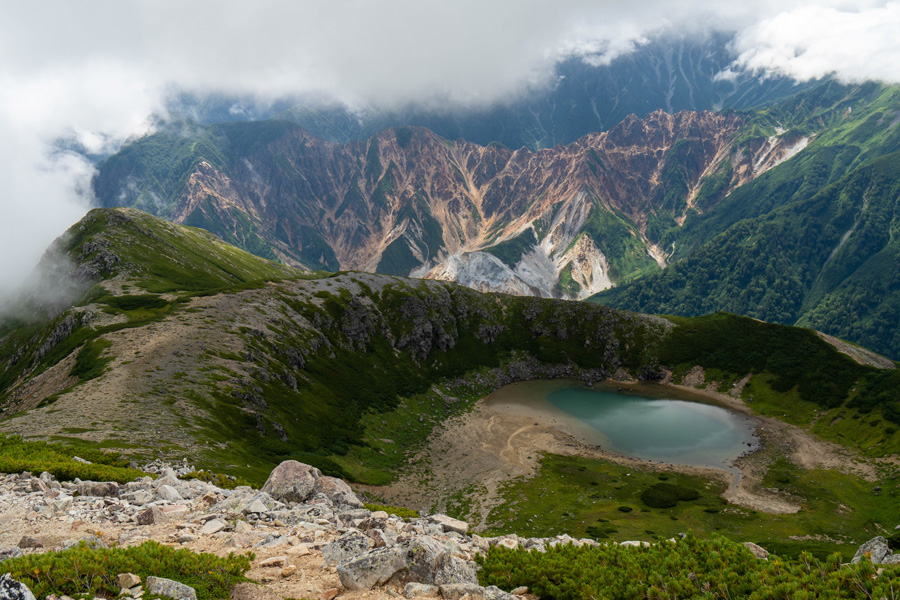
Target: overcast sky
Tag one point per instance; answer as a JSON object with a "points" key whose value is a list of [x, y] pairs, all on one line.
{"points": [[95, 71]]}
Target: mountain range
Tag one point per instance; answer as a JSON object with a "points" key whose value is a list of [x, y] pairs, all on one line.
{"points": [[784, 213]]}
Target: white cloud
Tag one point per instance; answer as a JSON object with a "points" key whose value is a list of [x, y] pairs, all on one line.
{"points": [[854, 41], [95, 71]]}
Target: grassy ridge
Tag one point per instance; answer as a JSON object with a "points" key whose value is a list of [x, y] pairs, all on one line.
{"points": [[372, 360]]}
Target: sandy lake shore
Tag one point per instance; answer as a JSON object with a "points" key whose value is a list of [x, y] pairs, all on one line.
{"points": [[499, 440]]}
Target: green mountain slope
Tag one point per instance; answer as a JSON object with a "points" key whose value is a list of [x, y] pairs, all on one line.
{"points": [[810, 242]]}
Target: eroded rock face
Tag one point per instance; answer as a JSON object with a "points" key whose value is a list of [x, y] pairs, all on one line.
{"points": [[408, 206], [292, 481]]}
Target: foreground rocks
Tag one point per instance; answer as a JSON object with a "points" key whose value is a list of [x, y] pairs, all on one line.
{"points": [[305, 529], [310, 533]]}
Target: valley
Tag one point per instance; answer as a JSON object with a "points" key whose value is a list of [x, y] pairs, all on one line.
{"points": [[238, 363]]}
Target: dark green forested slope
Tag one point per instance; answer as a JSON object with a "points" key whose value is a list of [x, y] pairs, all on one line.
{"points": [[811, 242]]}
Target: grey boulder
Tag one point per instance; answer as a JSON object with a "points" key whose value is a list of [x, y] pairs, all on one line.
{"points": [[98, 488], [171, 589], [348, 546], [875, 549], [10, 589], [292, 481], [373, 568], [455, 591], [338, 492]]}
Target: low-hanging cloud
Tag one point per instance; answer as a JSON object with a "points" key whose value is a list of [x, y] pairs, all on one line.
{"points": [[95, 73], [854, 43]]}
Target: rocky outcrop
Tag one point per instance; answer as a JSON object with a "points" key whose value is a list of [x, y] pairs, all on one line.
{"points": [[877, 551]]}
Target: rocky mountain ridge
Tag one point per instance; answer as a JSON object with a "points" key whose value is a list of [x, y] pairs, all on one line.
{"points": [[562, 222]]}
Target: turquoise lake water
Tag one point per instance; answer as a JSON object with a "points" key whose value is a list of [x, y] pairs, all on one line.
{"points": [[639, 422], [658, 429]]}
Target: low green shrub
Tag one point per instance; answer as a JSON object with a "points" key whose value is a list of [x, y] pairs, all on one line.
{"points": [[667, 495], [688, 568], [17, 455], [404, 513], [84, 571], [599, 532]]}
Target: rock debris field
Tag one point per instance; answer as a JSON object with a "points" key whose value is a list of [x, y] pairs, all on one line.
{"points": [[310, 534]]}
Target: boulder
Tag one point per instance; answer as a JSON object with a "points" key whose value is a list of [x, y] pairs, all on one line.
{"points": [[373, 568], [420, 590], [152, 516], [449, 523], [98, 488], [338, 492], [10, 589], [10, 552], [875, 549], [213, 526], [292, 481], [256, 507], [273, 561], [451, 569], [424, 558], [757, 551], [492, 592], [168, 493], [126, 581], [91, 541], [30, 542], [348, 546], [141, 497], [171, 589], [455, 591]]}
